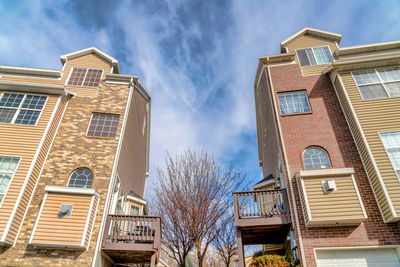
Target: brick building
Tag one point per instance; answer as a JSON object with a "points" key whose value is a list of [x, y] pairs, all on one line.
{"points": [[328, 124], [74, 157]]}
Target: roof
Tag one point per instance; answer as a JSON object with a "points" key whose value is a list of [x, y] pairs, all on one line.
{"points": [[133, 194], [315, 32], [88, 51], [269, 177]]}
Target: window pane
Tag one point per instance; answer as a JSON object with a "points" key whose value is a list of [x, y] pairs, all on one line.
{"points": [[373, 91], [27, 117], [391, 140], [316, 158], [311, 57], [390, 74], [366, 77], [6, 115], [103, 125], [34, 102], [393, 88], [77, 76], [92, 78], [295, 102], [303, 58], [394, 155], [11, 100], [323, 55], [4, 182], [82, 177]]}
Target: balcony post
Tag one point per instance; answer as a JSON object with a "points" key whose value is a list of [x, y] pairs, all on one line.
{"points": [[153, 260], [157, 235], [106, 229], [236, 208], [240, 247], [285, 202]]}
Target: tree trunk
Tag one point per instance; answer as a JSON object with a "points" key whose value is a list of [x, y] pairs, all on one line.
{"points": [[200, 256], [228, 262]]}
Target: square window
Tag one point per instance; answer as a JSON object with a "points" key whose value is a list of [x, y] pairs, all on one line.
{"points": [[294, 102], [314, 56], [85, 77], [103, 125]]}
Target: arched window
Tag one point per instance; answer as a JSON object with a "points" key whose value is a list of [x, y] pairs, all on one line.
{"points": [[316, 158], [82, 177]]}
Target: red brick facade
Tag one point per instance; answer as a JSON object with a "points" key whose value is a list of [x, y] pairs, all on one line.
{"points": [[326, 126]]}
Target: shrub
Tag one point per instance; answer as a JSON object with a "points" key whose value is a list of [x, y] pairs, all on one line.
{"points": [[273, 261]]}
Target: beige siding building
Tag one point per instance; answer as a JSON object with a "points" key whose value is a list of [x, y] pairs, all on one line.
{"points": [[74, 152]]}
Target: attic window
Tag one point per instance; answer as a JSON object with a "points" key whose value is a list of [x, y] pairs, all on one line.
{"points": [[85, 77], [314, 56]]}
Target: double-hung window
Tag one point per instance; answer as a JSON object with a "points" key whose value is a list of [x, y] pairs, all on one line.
{"points": [[85, 77], [8, 166], [21, 108], [391, 141], [314, 56], [378, 83], [294, 102]]}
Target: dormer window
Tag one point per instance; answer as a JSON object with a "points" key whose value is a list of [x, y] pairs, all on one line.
{"points": [[84, 77], [314, 56]]}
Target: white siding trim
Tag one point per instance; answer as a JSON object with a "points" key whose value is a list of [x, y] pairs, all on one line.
{"points": [[87, 221], [113, 176], [94, 221], [28, 175]]}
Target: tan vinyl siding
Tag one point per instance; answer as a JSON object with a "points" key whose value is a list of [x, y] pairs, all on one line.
{"points": [[23, 141], [309, 41], [91, 221], [36, 170], [375, 116], [132, 161], [367, 161], [51, 229], [87, 61], [314, 70]]}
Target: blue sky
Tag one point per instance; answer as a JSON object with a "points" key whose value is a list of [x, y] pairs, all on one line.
{"points": [[197, 58]]}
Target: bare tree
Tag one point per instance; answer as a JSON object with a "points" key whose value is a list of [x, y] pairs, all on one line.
{"points": [[198, 193], [225, 242]]}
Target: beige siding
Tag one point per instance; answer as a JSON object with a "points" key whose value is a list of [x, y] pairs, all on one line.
{"points": [[342, 204], [36, 170], [132, 161], [268, 133], [51, 229], [308, 41], [88, 61], [23, 141], [375, 116]]}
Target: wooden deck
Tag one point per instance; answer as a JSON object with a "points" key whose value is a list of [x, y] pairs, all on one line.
{"points": [[131, 239], [261, 217]]}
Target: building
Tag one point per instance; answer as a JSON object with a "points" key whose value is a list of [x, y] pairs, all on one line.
{"points": [[74, 157], [328, 122]]}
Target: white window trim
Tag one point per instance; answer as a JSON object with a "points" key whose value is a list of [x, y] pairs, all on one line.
{"points": [[381, 82], [296, 113], [315, 58], [12, 177], [322, 149], [83, 81], [386, 151], [19, 108]]}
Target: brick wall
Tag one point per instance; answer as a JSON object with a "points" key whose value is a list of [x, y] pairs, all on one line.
{"points": [[326, 126], [72, 149]]}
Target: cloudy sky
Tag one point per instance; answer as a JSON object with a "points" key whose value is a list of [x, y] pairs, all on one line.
{"points": [[197, 58]]}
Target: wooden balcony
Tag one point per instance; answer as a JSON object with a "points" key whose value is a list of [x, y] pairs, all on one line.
{"points": [[262, 216], [131, 239]]}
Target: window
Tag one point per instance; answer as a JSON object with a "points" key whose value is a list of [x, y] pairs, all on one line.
{"points": [[85, 77], [8, 166], [103, 125], [391, 141], [316, 158], [134, 210], [21, 108], [294, 102], [378, 83], [314, 56], [82, 177]]}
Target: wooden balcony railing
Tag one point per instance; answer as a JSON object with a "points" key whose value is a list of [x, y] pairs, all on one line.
{"points": [[260, 203], [127, 232]]}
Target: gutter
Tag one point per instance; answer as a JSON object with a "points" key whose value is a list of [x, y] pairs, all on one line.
{"points": [[36, 88], [30, 71]]}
